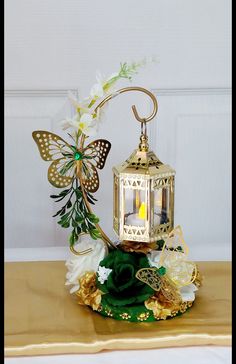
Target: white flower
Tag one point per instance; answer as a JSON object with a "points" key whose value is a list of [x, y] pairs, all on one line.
{"points": [[73, 99], [97, 91], [187, 292], [103, 273], [82, 106], [69, 123], [85, 123], [153, 258], [77, 265], [88, 124]]}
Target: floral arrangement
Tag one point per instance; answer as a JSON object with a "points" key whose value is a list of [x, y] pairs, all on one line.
{"points": [[131, 281], [109, 282]]}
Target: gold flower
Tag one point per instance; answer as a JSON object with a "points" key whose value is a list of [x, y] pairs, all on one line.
{"points": [[135, 247], [89, 294], [159, 311]]}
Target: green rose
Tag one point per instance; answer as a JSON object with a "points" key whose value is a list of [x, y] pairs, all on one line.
{"points": [[121, 286]]}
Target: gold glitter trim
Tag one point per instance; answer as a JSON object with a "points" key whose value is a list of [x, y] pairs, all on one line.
{"points": [[125, 316], [143, 316]]}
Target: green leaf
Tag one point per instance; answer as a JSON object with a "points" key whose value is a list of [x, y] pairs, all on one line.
{"points": [[73, 147], [72, 238], [67, 154], [64, 193], [64, 217], [63, 210], [81, 206], [84, 227], [91, 196], [58, 212], [69, 204], [160, 243], [79, 218], [65, 224], [95, 234], [93, 218], [66, 167], [78, 230], [90, 225], [78, 193], [74, 223], [90, 201]]}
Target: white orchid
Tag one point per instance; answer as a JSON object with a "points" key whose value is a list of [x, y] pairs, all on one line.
{"points": [[86, 123], [68, 123], [80, 106], [103, 85], [97, 89], [85, 120], [78, 265]]}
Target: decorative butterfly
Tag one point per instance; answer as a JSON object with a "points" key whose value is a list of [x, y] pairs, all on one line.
{"points": [[173, 257], [69, 161], [158, 282]]}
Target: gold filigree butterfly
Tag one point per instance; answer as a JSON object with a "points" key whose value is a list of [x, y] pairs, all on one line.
{"points": [[173, 257], [69, 162], [159, 282]]}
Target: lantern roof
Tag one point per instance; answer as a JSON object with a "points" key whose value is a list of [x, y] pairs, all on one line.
{"points": [[144, 163]]}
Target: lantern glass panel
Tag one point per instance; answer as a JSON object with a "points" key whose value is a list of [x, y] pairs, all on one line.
{"points": [[161, 206], [135, 207], [116, 197]]}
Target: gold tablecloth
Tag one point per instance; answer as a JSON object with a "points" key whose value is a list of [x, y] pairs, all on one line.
{"points": [[41, 317]]}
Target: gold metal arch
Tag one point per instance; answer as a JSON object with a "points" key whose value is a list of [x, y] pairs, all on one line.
{"points": [[136, 115], [105, 238]]}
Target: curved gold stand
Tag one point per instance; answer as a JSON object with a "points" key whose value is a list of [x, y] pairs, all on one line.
{"points": [[136, 115], [105, 238]]}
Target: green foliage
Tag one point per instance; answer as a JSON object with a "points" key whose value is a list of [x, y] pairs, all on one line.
{"points": [[74, 213]]}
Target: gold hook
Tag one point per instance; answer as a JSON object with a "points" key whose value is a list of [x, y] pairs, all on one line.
{"points": [[126, 89]]}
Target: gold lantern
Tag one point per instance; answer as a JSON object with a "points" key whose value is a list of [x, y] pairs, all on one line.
{"points": [[143, 193]]}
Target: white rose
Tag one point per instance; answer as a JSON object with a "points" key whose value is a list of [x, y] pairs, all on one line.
{"points": [[77, 265], [153, 258], [188, 292]]}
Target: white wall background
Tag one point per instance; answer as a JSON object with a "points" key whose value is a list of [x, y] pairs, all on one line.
{"points": [[55, 45]]}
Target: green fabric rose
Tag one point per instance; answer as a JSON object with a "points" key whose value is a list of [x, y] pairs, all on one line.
{"points": [[121, 286]]}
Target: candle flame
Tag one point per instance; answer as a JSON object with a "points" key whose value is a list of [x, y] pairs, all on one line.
{"points": [[142, 211]]}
